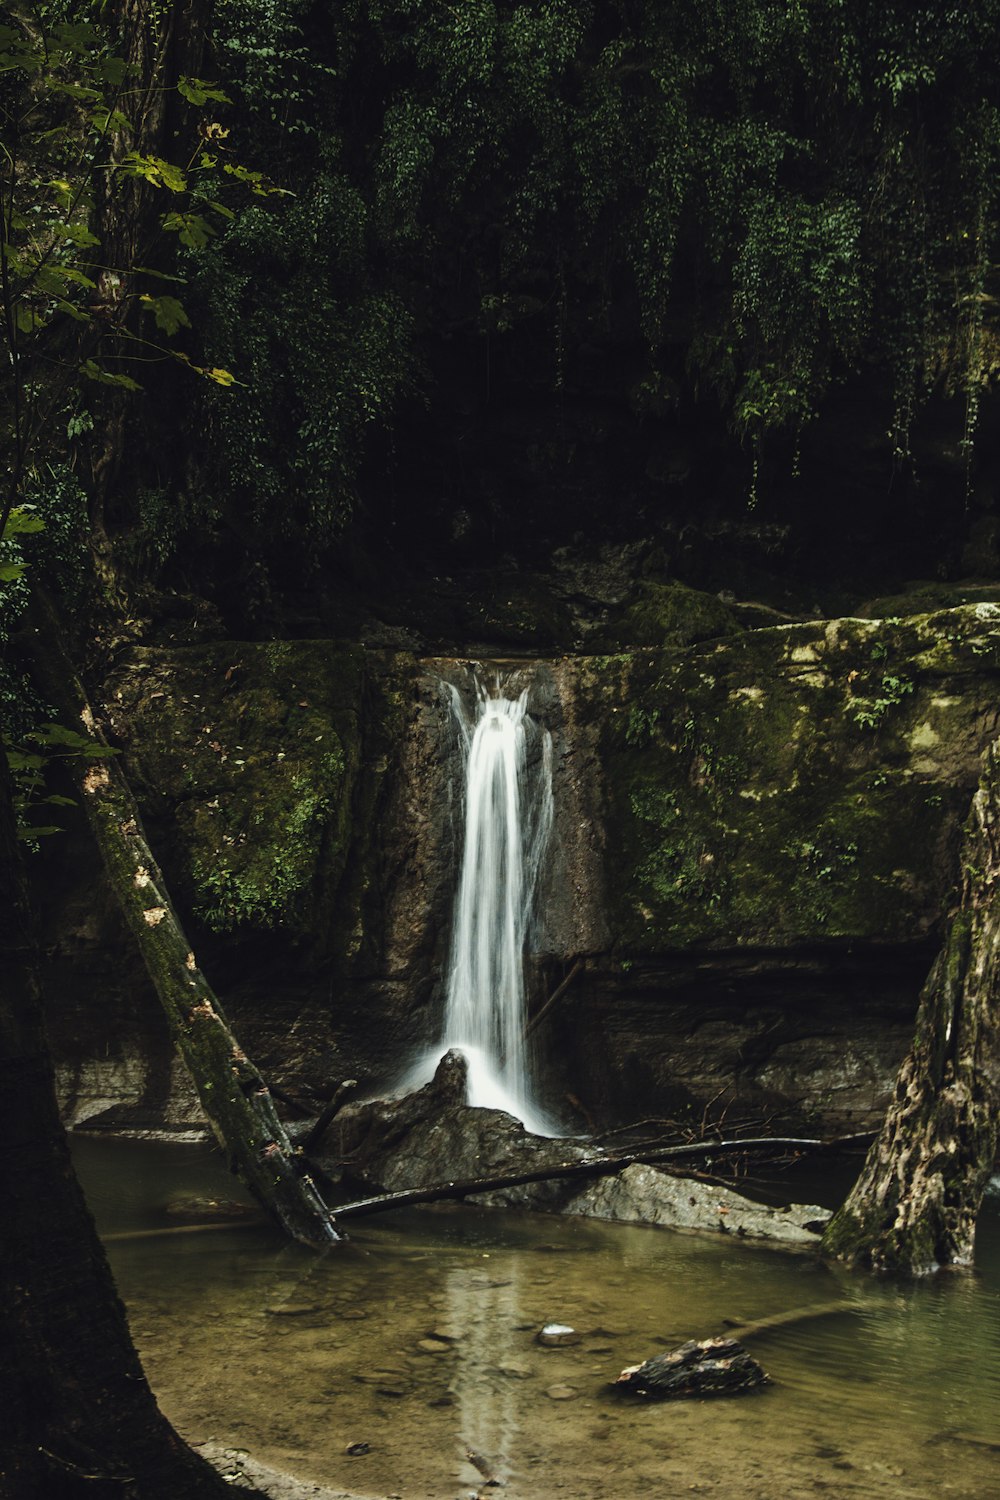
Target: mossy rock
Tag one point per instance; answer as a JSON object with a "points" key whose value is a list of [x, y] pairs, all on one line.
{"points": [[795, 785], [666, 614], [247, 761], [928, 598]]}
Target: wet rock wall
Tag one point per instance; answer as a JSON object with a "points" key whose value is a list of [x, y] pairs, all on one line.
{"points": [[755, 841]]}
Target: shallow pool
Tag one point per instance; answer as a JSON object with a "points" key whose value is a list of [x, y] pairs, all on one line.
{"points": [[415, 1345]]}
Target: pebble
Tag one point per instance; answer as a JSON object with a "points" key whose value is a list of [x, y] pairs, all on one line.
{"points": [[554, 1335], [561, 1392], [433, 1346], [516, 1371]]}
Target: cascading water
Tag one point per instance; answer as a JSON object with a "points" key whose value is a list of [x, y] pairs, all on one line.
{"points": [[508, 815], [507, 819]]}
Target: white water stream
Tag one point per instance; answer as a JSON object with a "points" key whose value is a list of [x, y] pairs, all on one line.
{"points": [[507, 818]]}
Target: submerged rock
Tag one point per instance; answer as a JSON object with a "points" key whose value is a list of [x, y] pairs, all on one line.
{"points": [[702, 1367], [646, 1195]]}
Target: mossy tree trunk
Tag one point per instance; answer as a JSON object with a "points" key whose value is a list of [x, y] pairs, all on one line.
{"points": [[233, 1094], [915, 1204]]}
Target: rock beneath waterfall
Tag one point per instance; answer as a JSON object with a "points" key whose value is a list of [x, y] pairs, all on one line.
{"points": [[433, 1136], [645, 1195]]}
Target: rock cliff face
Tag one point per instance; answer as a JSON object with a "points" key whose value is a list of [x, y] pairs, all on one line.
{"points": [[755, 839]]}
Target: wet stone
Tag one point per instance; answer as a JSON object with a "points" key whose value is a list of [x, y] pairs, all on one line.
{"points": [[433, 1346], [560, 1392], [557, 1335]]}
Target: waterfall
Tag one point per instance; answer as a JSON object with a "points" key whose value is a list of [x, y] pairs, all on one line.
{"points": [[508, 814]]}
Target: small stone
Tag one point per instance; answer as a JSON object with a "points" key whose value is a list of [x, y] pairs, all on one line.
{"points": [[357, 1449], [554, 1335], [433, 1346], [353, 1313], [446, 1334], [560, 1392], [516, 1371]]}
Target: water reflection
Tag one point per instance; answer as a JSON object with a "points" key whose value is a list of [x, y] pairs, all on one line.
{"points": [[483, 1314]]}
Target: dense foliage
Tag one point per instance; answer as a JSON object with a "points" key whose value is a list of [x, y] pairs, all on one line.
{"points": [[759, 198], [732, 209]]}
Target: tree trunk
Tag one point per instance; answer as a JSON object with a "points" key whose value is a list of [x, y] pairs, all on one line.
{"points": [[915, 1204], [78, 1418], [233, 1094]]}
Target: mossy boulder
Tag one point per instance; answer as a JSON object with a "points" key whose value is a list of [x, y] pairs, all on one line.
{"points": [[666, 614], [253, 763], [795, 785]]}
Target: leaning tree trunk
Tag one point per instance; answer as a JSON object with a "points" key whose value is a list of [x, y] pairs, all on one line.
{"points": [[915, 1204], [79, 1421], [233, 1094]]}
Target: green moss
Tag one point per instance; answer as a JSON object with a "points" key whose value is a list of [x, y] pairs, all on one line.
{"points": [[667, 614], [258, 875], [770, 789], [259, 767]]}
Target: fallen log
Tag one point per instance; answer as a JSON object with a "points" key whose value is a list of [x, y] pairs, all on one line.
{"points": [[788, 1318], [120, 1236], [233, 1094], [605, 1166]]}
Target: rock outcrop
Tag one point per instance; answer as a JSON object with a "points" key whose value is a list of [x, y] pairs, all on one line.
{"points": [[755, 841]]}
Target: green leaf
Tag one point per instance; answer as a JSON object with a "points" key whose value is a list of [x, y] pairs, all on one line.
{"points": [[105, 120], [28, 319], [221, 377], [154, 170], [198, 92], [167, 312], [262, 186], [78, 233], [22, 522], [73, 311], [74, 90], [66, 273], [10, 572], [160, 275], [70, 739], [22, 760], [39, 833], [93, 371], [195, 232]]}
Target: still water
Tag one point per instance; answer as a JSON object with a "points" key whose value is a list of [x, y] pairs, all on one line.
{"points": [[416, 1342]]}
